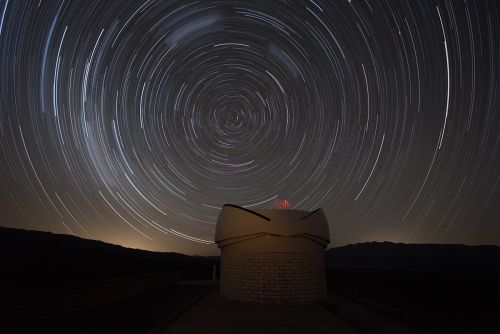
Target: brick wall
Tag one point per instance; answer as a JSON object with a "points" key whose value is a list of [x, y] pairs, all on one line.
{"points": [[273, 277]]}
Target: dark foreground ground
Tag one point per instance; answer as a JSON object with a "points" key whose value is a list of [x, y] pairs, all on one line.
{"points": [[62, 284], [436, 288]]}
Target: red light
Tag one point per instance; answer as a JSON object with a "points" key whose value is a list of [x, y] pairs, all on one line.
{"points": [[283, 204]]}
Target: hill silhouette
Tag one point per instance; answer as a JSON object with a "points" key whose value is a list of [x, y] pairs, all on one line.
{"points": [[42, 259], [416, 256], [434, 288], [437, 288]]}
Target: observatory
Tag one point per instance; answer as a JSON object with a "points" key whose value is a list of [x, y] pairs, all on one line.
{"points": [[272, 255]]}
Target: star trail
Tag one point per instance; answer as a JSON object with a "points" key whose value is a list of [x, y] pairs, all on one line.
{"points": [[133, 123]]}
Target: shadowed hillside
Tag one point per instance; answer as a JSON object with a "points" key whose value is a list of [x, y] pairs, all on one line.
{"points": [[416, 256], [56, 281], [41, 259], [437, 288]]}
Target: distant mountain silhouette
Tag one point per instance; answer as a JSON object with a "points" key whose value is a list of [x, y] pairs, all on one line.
{"points": [[416, 256], [41, 259], [436, 288]]}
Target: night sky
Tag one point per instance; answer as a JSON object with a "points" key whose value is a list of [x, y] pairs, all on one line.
{"points": [[134, 123]]}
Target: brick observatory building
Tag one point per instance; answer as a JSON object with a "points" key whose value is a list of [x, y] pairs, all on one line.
{"points": [[272, 255]]}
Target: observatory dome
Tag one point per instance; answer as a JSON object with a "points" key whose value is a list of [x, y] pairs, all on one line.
{"points": [[272, 255]]}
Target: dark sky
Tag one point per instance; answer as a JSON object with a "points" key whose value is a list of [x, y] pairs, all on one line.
{"points": [[134, 123]]}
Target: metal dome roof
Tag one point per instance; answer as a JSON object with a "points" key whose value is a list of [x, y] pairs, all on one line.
{"points": [[236, 223]]}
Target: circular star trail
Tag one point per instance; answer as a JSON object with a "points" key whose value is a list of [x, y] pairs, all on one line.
{"points": [[135, 122]]}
